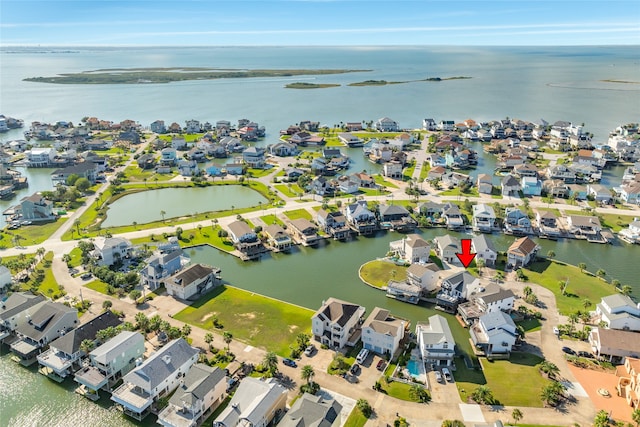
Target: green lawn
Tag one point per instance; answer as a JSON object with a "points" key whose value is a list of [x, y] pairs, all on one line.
{"points": [[289, 190], [407, 174], [381, 181], [467, 380], [356, 419], [135, 174], [426, 167], [251, 318], [76, 255], [298, 213], [98, 286], [206, 236], [472, 192], [17, 263], [259, 173], [581, 284], [378, 273], [530, 325], [615, 222], [500, 376], [49, 286], [31, 234], [398, 390], [271, 219]]}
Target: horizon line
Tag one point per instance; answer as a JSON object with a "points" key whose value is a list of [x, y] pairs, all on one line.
{"points": [[30, 45]]}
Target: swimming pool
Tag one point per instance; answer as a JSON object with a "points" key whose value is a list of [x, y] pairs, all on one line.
{"points": [[413, 366]]}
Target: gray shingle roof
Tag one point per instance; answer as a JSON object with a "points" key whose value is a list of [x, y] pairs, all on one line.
{"points": [[338, 311], [116, 346], [17, 303], [312, 411], [70, 342], [200, 380], [44, 318]]}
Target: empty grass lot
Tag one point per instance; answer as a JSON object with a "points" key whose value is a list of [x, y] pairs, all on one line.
{"points": [[292, 190], [251, 318], [581, 284], [31, 234], [378, 273], [297, 214]]}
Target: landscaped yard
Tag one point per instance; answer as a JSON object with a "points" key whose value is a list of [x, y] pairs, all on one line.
{"points": [[381, 181], [48, 286], [30, 234], [378, 273], [472, 192], [98, 286], [298, 213], [582, 285], [615, 222], [398, 390], [271, 219], [356, 419], [289, 190], [251, 318]]}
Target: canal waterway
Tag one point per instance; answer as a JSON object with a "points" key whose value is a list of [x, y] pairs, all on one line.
{"points": [[146, 206]]}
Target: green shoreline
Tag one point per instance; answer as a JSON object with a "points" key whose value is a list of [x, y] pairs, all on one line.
{"points": [[428, 79], [168, 75], [303, 85]]}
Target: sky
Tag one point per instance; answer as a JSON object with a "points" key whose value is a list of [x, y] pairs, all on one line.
{"points": [[318, 22]]}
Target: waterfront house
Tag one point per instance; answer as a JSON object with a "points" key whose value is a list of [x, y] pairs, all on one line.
{"points": [[256, 403], [277, 238], [435, 341], [454, 179], [382, 333], [44, 324], [304, 231], [584, 225], [146, 161], [429, 124], [156, 377], [350, 140], [178, 143], [526, 169], [385, 124], [283, 149], [510, 186], [456, 287], [32, 208], [111, 250], [292, 174], [547, 224], [14, 311], [426, 276], [431, 210], [333, 223], [522, 252], [412, 249], [168, 156], [305, 138], [556, 188], [452, 215], [446, 248], [485, 184], [203, 388], [396, 217], [489, 299], [618, 311], [360, 218], [631, 234], [193, 281], [629, 381], [630, 193], [614, 345], [484, 218], [484, 249], [392, 169], [337, 323], [366, 180], [188, 167], [435, 173], [245, 239], [65, 353], [253, 157], [348, 184], [158, 127], [197, 154], [404, 291], [109, 362], [494, 333], [310, 410], [436, 160], [161, 265], [321, 186], [531, 186], [41, 157], [88, 170], [561, 172], [517, 222], [600, 193]]}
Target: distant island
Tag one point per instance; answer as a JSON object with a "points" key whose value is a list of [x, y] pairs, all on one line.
{"points": [[620, 81], [304, 85], [384, 82], [174, 74]]}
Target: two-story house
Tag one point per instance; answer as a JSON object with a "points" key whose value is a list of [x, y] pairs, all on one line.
{"points": [[156, 377], [360, 218], [385, 124], [13, 311], [382, 333], [110, 250], [412, 248], [494, 333], [277, 238], [44, 324], [456, 288], [517, 222], [452, 215], [193, 281], [33, 208], [629, 382], [435, 341], [161, 265], [584, 225], [310, 410], [485, 184], [334, 224], [337, 323], [522, 252], [256, 403], [484, 249], [396, 217], [88, 170], [446, 248], [486, 300], [304, 231], [65, 353], [245, 239], [614, 345], [253, 157], [484, 218], [426, 276], [203, 388], [109, 362], [619, 311]]}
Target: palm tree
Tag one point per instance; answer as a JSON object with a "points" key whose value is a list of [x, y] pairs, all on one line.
{"points": [[142, 321], [635, 416], [626, 290], [208, 338], [76, 223], [516, 415], [586, 303], [527, 291], [601, 419], [549, 368], [482, 394], [582, 266], [307, 373], [270, 363], [162, 214], [86, 346], [601, 273], [106, 304], [155, 322], [551, 254], [418, 393], [227, 337], [186, 330], [364, 407]]}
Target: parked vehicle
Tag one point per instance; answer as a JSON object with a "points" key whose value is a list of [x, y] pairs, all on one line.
{"points": [[309, 350], [355, 369], [585, 354], [290, 363], [447, 375], [569, 351], [362, 356], [381, 365], [438, 376]]}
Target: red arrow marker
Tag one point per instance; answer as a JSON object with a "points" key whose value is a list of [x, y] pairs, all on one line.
{"points": [[466, 256]]}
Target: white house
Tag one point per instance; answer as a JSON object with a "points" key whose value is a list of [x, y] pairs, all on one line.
{"points": [[157, 376], [385, 124], [615, 345], [456, 288], [13, 311], [335, 322], [193, 281], [619, 312], [446, 247], [435, 341], [494, 333], [425, 276], [5, 277], [256, 403], [203, 388], [487, 299], [484, 249], [484, 218], [310, 410], [412, 248], [109, 250], [382, 333]]}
